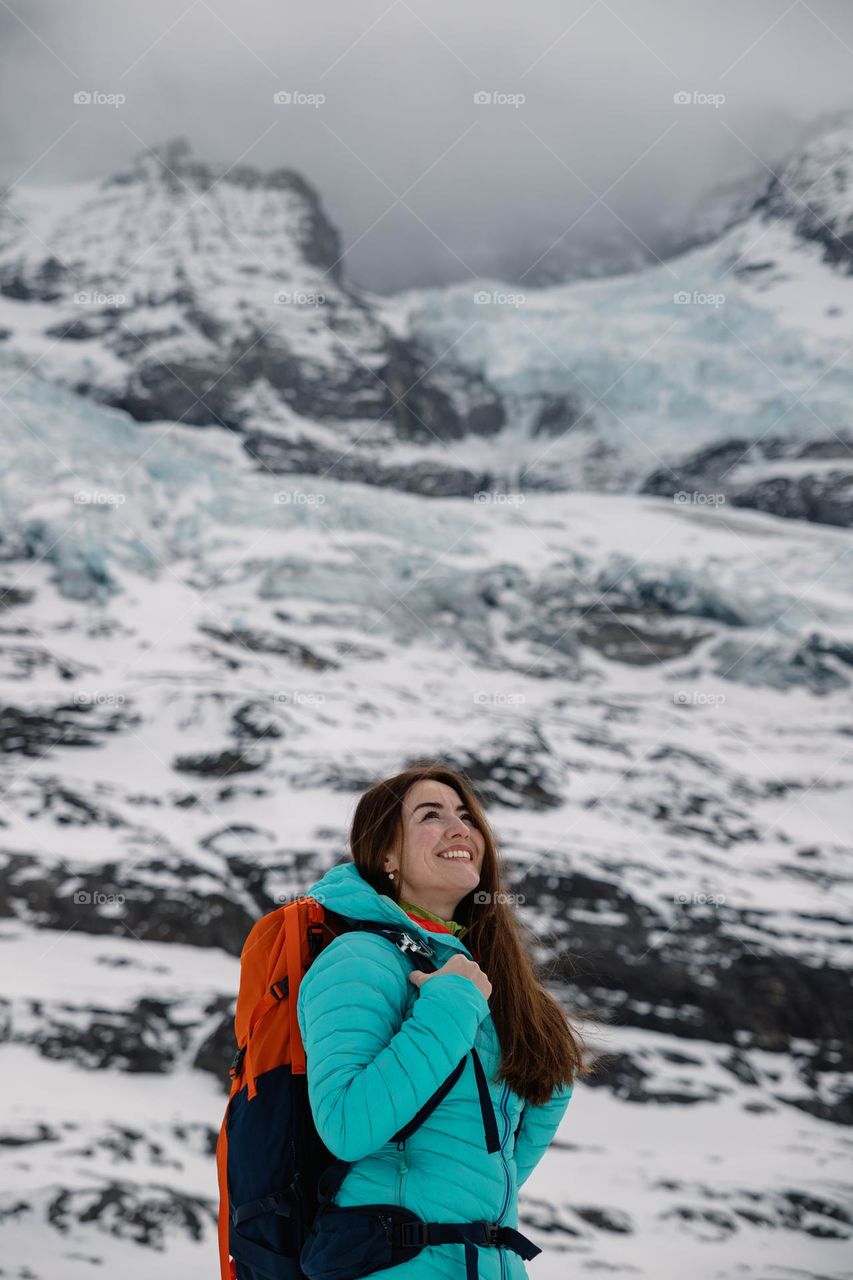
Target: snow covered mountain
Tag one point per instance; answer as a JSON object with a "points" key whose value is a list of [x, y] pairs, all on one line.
{"points": [[211, 641], [181, 293]]}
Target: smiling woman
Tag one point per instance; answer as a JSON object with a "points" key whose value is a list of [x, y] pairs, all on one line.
{"points": [[437, 1090], [443, 846]]}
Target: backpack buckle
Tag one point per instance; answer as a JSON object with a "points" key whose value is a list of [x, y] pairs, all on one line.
{"points": [[414, 1234], [279, 989], [237, 1064], [492, 1229], [315, 934], [408, 943]]}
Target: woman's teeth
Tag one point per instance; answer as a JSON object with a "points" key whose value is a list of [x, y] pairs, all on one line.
{"points": [[462, 854]]}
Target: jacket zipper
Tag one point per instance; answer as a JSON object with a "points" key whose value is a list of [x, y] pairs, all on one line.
{"points": [[504, 1137], [404, 1169]]}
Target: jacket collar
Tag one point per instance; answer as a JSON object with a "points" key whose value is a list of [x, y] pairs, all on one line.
{"points": [[430, 920], [343, 889]]}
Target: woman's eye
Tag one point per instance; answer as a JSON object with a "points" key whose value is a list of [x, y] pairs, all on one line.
{"points": [[433, 813]]}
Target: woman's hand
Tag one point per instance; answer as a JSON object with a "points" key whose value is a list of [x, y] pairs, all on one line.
{"points": [[457, 964]]}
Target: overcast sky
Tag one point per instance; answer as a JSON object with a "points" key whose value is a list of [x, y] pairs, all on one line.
{"points": [[424, 183]]}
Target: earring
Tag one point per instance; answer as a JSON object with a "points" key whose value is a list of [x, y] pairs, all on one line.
{"points": [[390, 875]]}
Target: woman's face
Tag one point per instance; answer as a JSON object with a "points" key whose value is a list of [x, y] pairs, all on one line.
{"points": [[436, 820]]}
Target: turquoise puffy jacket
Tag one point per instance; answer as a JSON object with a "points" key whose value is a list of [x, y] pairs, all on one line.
{"points": [[377, 1048]]}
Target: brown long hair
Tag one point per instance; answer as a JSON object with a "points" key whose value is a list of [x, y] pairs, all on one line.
{"points": [[540, 1049]]}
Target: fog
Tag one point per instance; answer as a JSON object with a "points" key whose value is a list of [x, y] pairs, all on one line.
{"points": [[582, 137]]}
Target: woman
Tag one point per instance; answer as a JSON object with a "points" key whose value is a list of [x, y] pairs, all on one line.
{"points": [[381, 1037]]}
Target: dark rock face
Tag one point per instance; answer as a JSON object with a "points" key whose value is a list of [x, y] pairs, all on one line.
{"points": [[144, 1215], [257, 641], [824, 498], [517, 775], [698, 471], [194, 392], [45, 284], [90, 899], [703, 979], [32, 733], [219, 764], [302, 456], [812, 491], [326, 391], [559, 414], [813, 193], [437, 402], [815, 664]]}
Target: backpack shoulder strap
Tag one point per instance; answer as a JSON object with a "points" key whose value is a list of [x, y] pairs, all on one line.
{"points": [[417, 950]]}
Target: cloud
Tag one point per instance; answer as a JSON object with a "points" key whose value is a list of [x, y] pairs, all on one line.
{"points": [[426, 184]]}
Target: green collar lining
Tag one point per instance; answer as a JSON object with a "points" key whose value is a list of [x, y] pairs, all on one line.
{"points": [[452, 925]]}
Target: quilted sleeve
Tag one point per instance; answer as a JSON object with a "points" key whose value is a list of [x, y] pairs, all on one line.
{"points": [[536, 1129], [371, 1068]]}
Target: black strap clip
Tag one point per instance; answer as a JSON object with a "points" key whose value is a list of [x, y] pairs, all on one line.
{"points": [[237, 1064], [414, 1234], [279, 989]]}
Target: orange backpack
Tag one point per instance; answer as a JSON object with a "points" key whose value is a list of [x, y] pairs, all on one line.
{"points": [[267, 1127]]}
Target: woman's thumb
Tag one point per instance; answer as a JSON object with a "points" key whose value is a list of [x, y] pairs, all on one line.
{"points": [[417, 977]]}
